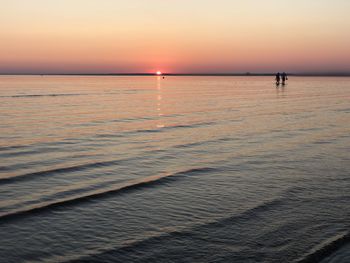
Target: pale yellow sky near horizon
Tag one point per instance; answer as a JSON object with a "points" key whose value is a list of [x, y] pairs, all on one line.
{"points": [[175, 36]]}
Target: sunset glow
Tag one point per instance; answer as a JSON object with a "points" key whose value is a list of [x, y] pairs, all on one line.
{"points": [[178, 36]]}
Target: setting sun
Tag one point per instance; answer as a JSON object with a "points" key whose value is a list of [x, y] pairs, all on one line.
{"points": [[159, 72]]}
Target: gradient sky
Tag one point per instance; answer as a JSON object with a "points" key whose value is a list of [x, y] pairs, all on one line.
{"points": [[176, 36]]}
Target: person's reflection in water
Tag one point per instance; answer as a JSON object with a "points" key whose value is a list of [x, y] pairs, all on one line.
{"points": [[280, 92]]}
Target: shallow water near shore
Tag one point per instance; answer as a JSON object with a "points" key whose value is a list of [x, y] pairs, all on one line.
{"points": [[181, 169]]}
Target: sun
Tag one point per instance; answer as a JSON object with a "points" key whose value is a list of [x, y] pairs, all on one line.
{"points": [[159, 73]]}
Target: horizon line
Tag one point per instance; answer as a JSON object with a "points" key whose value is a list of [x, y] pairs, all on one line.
{"points": [[301, 74]]}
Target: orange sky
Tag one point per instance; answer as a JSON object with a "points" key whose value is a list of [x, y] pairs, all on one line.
{"points": [[175, 36]]}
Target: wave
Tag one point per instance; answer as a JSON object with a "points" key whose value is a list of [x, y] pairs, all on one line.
{"points": [[68, 141], [13, 147], [140, 247], [326, 248], [156, 130], [121, 188], [110, 255], [43, 95], [346, 110], [14, 154], [179, 126], [199, 143], [193, 125], [85, 166], [108, 135], [75, 168]]}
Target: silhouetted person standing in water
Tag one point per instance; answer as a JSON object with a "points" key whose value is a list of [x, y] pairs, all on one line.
{"points": [[284, 78], [278, 78]]}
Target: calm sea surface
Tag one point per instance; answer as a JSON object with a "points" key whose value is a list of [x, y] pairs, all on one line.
{"points": [[181, 169]]}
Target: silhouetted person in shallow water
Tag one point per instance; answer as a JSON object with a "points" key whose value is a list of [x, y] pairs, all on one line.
{"points": [[284, 78], [278, 78]]}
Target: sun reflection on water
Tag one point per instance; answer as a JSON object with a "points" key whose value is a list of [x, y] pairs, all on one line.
{"points": [[160, 123]]}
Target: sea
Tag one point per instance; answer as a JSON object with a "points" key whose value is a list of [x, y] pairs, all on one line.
{"points": [[180, 169]]}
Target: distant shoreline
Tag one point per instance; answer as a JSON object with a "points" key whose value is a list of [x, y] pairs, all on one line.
{"points": [[181, 74]]}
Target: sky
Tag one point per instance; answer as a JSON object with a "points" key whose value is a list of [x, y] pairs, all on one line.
{"points": [[174, 36]]}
